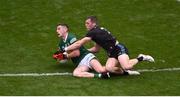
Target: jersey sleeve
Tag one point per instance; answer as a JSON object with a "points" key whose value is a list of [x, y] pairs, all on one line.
{"points": [[90, 34], [74, 39]]}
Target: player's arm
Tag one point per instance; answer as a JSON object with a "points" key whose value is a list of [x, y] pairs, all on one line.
{"points": [[78, 44], [72, 54], [64, 55], [95, 48]]}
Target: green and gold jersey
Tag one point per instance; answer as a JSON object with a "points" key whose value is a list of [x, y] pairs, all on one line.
{"points": [[70, 39]]}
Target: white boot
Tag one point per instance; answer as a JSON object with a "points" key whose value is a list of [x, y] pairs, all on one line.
{"points": [[130, 72], [146, 57]]}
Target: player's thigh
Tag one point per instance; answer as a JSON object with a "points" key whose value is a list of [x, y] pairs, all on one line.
{"points": [[96, 65], [111, 62], [123, 60]]}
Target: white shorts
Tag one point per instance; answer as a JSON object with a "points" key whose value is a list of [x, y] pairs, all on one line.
{"points": [[86, 60]]}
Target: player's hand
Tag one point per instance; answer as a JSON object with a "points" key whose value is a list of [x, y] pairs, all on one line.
{"points": [[59, 56]]}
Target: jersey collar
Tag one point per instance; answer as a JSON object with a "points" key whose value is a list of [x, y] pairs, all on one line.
{"points": [[65, 37], [94, 27]]}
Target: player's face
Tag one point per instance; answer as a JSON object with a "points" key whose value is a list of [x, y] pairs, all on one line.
{"points": [[60, 31], [89, 24]]}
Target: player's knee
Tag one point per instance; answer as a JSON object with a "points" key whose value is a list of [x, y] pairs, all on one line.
{"points": [[76, 73], [100, 70], [109, 68], [126, 67]]}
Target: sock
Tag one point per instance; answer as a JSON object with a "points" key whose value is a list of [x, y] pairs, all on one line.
{"points": [[97, 75], [114, 74], [140, 59], [125, 73]]}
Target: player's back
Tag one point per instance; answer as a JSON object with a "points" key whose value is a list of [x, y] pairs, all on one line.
{"points": [[102, 37]]}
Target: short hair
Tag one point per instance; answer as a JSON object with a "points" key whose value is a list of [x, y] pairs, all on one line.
{"points": [[63, 24], [93, 19]]}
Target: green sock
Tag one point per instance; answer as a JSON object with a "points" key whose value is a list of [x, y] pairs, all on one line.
{"points": [[97, 75]]}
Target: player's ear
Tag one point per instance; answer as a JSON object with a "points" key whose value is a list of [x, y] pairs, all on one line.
{"points": [[94, 24], [66, 29]]}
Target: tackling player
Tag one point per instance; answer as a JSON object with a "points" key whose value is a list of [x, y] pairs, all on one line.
{"points": [[117, 53]]}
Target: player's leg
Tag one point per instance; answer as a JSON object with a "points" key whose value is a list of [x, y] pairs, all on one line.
{"points": [[125, 62], [121, 54], [123, 58], [96, 65], [113, 67], [101, 70], [83, 67], [82, 71], [89, 62]]}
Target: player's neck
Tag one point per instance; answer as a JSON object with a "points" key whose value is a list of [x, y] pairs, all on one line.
{"points": [[65, 37], [93, 27]]}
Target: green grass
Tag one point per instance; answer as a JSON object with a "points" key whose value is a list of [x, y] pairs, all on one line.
{"points": [[146, 84], [28, 40]]}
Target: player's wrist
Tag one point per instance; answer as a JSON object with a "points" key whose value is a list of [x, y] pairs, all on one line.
{"points": [[66, 55], [65, 49]]}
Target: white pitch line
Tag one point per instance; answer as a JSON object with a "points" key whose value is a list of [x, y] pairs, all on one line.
{"points": [[70, 74], [36, 74], [158, 70]]}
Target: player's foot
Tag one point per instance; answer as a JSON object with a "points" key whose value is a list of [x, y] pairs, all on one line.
{"points": [[146, 57], [130, 72], [105, 75]]}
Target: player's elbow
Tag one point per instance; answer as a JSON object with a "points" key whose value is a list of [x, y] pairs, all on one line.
{"points": [[93, 51], [96, 50]]}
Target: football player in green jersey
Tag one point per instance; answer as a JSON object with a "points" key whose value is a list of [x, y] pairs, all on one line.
{"points": [[80, 57]]}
